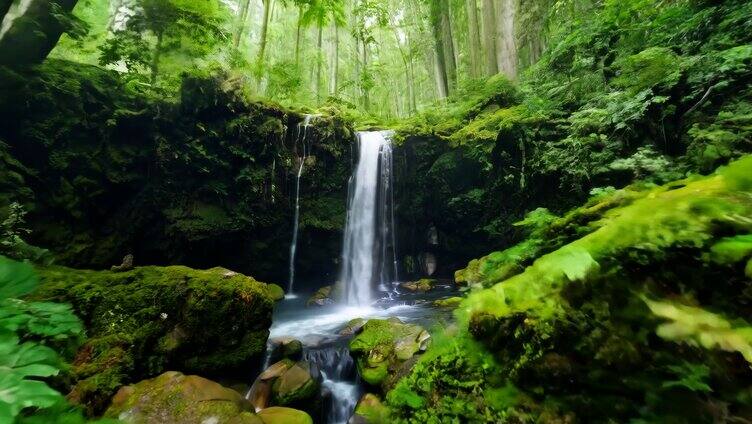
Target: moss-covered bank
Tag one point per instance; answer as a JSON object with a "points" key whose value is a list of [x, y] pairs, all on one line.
{"points": [[644, 315], [143, 322], [107, 168]]}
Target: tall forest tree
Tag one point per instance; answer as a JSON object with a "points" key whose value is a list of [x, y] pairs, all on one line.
{"points": [[473, 29], [30, 30]]}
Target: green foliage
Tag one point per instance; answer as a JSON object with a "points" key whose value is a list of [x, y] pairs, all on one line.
{"points": [[27, 330], [690, 376], [12, 233], [161, 27], [697, 326]]}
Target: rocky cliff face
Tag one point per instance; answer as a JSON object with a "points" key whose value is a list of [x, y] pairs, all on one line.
{"points": [[106, 170]]}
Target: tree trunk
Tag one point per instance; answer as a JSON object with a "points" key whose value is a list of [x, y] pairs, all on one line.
{"points": [[440, 62], [506, 46], [157, 56], [366, 90], [447, 38], [334, 79], [473, 38], [242, 19], [298, 35], [489, 37], [264, 31], [319, 60], [28, 40]]}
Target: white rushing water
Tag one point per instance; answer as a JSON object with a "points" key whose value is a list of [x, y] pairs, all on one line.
{"points": [[368, 252], [302, 140]]}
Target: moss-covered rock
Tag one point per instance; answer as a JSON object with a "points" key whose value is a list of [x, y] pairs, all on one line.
{"points": [[353, 327], [370, 410], [276, 292], [287, 383], [176, 398], [423, 285], [280, 415], [144, 321], [323, 297], [450, 302], [384, 346]]}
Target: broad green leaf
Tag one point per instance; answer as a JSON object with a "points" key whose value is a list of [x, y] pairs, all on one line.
{"points": [[16, 278]]}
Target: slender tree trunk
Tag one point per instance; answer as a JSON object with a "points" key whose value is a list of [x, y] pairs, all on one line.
{"points": [[440, 62], [411, 73], [408, 79], [447, 39], [506, 46], [473, 38], [319, 62], [264, 31], [334, 79], [242, 19], [489, 37], [156, 58], [298, 35], [366, 90]]}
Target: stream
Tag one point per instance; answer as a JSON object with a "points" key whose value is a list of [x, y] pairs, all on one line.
{"points": [[318, 328]]}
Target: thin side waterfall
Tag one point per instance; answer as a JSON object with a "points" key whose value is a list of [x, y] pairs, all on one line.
{"points": [[302, 140], [369, 251]]}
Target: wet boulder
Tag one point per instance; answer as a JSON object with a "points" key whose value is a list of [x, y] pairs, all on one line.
{"points": [[177, 398], [287, 383], [450, 302], [323, 297], [370, 410], [280, 415], [421, 286], [286, 348], [276, 292], [384, 347], [353, 327]]}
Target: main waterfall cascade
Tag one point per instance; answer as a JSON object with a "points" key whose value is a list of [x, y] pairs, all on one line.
{"points": [[369, 248], [302, 140]]}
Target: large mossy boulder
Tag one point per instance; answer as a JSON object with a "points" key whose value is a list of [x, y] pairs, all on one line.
{"points": [[151, 319], [384, 347], [180, 399]]}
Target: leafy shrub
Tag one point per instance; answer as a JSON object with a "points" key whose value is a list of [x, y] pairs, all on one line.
{"points": [[27, 332]]}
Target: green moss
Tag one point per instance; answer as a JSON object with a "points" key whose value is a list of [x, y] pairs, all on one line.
{"points": [[662, 218], [144, 321], [175, 397], [382, 346], [450, 302], [371, 410], [276, 292]]}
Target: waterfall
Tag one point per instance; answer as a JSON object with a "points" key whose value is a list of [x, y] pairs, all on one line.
{"points": [[369, 250], [302, 139]]}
